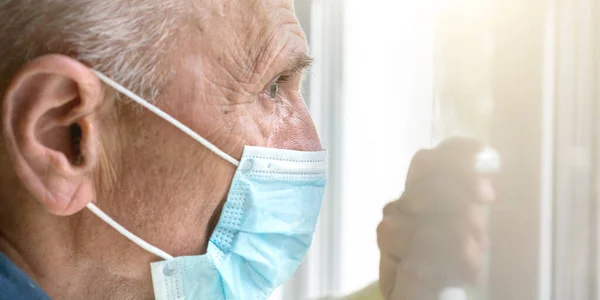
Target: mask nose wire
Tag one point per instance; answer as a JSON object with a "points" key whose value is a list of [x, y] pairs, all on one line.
{"points": [[100, 214], [167, 118]]}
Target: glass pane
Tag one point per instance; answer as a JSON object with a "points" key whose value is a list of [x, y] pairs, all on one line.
{"points": [[393, 77]]}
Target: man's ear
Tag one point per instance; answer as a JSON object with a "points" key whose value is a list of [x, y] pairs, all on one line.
{"points": [[49, 121]]}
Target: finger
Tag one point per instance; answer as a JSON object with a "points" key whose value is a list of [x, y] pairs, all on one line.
{"points": [[396, 230], [446, 255], [444, 193], [486, 192], [458, 154], [439, 195], [454, 228], [387, 275], [455, 156], [444, 249], [394, 234], [445, 177], [432, 255], [421, 166], [411, 285], [477, 225], [472, 262]]}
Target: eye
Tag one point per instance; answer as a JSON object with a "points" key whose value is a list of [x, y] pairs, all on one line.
{"points": [[273, 90]]}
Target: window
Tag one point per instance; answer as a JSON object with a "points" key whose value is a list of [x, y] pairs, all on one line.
{"points": [[396, 76]]}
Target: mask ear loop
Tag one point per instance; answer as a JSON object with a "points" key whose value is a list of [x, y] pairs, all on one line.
{"points": [[167, 118], [100, 214], [132, 237]]}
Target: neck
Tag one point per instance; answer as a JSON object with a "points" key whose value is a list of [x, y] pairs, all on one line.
{"points": [[75, 256]]}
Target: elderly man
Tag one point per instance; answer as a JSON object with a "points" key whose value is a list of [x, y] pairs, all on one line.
{"points": [[154, 149]]}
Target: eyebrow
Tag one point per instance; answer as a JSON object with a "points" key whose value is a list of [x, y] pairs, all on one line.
{"points": [[301, 63]]}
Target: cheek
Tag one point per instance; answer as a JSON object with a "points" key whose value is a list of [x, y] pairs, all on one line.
{"points": [[168, 190]]}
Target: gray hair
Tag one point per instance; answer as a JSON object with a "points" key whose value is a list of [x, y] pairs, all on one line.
{"points": [[125, 39]]}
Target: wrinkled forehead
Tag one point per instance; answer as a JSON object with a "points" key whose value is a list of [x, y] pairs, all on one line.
{"points": [[251, 30], [249, 16]]}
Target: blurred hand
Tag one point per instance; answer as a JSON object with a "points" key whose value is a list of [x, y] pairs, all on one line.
{"points": [[435, 235]]}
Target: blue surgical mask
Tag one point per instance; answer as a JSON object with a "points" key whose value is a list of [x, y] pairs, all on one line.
{"points": [[264, 232]]}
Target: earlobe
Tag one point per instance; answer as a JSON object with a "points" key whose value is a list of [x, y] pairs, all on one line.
{"points": [[49, 115]]}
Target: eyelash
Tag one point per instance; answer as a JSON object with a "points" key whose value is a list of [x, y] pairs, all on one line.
{"points": [[283, 78]]}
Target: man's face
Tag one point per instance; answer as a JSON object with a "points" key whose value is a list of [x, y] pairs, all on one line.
{"points": [[237, 82]]}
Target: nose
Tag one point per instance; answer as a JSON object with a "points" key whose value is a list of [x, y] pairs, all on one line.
{"points": [[296, 132]]}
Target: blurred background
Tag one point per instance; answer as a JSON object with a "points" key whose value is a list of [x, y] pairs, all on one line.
{"points": [[521, 75]]}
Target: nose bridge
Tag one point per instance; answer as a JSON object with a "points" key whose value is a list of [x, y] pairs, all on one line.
{"points": [[312, 140], [295, 129]]}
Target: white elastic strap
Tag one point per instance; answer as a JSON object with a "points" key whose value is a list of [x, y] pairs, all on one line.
{"points": [[95, 210], [134, 238], [167, 118]]}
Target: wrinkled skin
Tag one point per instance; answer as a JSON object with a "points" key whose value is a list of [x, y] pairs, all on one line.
{"points": [[150, 177], [435, 236]]}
